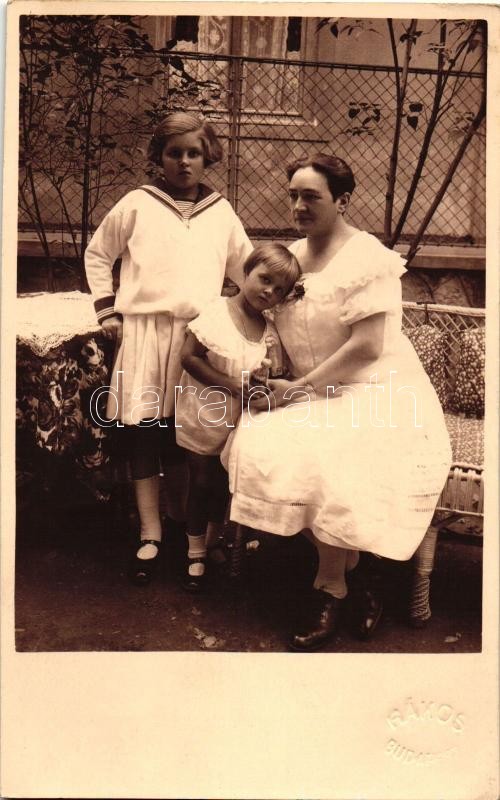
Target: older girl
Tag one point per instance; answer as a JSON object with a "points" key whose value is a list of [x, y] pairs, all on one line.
{"points": [[177, 239]]}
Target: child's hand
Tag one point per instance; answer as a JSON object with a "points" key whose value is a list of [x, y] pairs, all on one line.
{"points": [[112, 328], [276, 390], [236, 388], [260, 376]]}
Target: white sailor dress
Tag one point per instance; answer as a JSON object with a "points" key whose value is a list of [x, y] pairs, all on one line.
{"points": [[172, 266]]}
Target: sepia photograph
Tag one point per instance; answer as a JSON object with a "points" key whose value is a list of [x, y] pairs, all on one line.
{"points": [[387, 116], [247, 269]]}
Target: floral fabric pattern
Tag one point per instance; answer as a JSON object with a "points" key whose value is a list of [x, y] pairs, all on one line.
{"points": [[431, 347], [53, 403], [468, 394], [467, 439]]}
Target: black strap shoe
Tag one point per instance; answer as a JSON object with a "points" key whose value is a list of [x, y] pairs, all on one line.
{"points": [[142, 569], [322, 625], [195, 583]]}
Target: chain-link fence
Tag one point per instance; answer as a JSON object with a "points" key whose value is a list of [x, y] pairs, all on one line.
{"points": [[270, 112]]}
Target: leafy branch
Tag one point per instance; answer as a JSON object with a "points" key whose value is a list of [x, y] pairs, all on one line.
{"points": [[456, 41], [81, 129]]}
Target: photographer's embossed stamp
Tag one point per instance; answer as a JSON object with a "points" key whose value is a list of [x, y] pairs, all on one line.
{"points": [[423, 731]]}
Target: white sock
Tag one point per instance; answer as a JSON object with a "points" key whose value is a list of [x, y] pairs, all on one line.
{"points": [[197, 549]]}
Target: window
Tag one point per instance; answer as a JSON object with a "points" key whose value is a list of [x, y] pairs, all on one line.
{"points": [[261, 37], [265, 90]]}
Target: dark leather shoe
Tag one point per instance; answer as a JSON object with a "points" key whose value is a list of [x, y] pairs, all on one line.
{"points": [[322, 625], [369, 614], [194, 583], [142, 570]]}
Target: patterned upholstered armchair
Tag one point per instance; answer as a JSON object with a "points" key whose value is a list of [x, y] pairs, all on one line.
{"points": [[450, 342]]}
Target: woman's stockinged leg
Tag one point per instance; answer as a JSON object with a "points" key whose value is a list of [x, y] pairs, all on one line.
{"points": [[331, 569], [328, 599], [366, 603]]}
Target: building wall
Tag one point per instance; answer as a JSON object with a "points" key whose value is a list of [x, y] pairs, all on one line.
{"points": [[286, 112]]}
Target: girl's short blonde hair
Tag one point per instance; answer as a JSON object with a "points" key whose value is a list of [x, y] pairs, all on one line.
{"points": [[277, 258], [179, 122]]}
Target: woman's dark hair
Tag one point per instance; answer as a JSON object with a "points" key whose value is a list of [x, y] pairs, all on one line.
{"points": [[179, 122], [338, 174], [277, 258]]}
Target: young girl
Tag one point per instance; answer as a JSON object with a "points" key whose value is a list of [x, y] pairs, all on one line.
{"points": [[229, 348], [177, 239]]}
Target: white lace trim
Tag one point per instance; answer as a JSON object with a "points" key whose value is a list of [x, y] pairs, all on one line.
{"points": [[215, 329], [362, 259], [45, 321]]}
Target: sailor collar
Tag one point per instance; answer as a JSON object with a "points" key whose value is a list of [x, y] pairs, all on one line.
{"points": [[206, 197]]}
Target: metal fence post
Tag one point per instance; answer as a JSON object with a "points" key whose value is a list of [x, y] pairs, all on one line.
{"points": [[235, 103]]}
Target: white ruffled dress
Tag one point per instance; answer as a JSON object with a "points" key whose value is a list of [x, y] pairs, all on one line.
{"points": [[205, 416], [362, 467]]}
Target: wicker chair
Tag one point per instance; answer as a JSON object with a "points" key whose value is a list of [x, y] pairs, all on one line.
{"points": [[456, 369]]}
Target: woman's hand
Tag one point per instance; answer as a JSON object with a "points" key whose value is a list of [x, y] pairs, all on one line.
{"points": [[289, 392], [276, 397], [112, 328]]}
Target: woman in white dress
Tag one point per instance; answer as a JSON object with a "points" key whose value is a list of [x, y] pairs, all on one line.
{"points": [[354, 449]]}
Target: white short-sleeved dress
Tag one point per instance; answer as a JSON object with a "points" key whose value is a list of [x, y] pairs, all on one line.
{"points": [[364, 466], [205, 416]]}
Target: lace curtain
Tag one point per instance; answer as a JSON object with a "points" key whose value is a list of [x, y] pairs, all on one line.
{"points": [[264, 86]]}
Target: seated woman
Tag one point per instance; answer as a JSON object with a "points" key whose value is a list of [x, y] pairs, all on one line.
{"points": [[354, 448]]}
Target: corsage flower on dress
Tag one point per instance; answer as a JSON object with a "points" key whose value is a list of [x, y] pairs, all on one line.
{"points": [[297, 293]]}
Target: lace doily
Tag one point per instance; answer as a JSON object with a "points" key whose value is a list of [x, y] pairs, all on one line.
{"points": [[45, 321]]}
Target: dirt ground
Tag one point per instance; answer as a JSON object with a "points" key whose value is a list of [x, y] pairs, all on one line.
{"points": [[73, 593]]}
